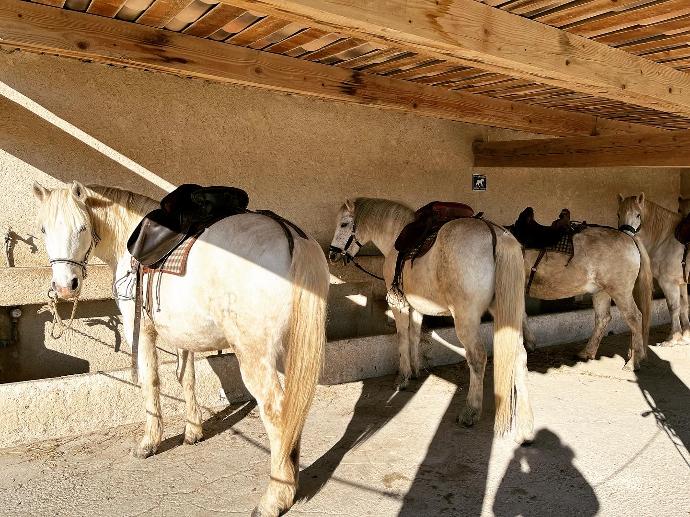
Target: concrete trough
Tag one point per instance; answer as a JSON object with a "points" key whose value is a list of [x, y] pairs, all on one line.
{"points": [[75, 404]]}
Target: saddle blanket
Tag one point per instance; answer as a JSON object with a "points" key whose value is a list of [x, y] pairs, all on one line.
{"points": [[175, 263], [564, 245]]}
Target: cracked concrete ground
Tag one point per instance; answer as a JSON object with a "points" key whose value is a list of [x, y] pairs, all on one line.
{"points": [[609, 442]]}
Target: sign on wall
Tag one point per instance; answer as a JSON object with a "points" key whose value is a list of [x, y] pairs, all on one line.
{"points": [[478, 182]]}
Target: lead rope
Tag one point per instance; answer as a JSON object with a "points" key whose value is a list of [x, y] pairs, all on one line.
{"points": [[52, 307]]}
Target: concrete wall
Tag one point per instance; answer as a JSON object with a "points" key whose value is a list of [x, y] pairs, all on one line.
{"points": [[300, 157]]}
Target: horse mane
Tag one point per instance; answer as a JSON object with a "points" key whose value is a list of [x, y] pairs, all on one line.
{"points": [[659, 221], [119, 209], [371, 212]]}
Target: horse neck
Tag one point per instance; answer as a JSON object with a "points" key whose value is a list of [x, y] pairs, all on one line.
{"points": [[383, 226], [115, 214], [658, 224]]}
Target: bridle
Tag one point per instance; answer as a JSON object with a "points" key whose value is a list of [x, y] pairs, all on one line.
{"points": [[95, 239], [53, 296], [628, 228], [347, 257]]}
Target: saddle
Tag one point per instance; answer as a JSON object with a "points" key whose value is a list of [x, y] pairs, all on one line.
{"points": [[185, 212], [419, 236], [533, 235]]}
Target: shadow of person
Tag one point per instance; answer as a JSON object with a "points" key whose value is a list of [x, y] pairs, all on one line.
{"points": [[542, 480], [377, 404]]}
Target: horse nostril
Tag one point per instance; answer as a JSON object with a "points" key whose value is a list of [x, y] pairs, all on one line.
{"points": [[75, 283]]}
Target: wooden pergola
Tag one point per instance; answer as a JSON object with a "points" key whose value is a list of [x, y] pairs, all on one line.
{"points": [[609, 75]]}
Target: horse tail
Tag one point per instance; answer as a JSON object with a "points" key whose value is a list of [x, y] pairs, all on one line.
{"points": [[643, 292], [510, 358], [306, 339]]}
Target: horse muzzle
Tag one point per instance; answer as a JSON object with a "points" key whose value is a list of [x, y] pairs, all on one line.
{"points": [[334, 254]]}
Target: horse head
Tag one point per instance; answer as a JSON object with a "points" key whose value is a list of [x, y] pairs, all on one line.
{"points": [[630, 211], [344, 243], [65, 222]]}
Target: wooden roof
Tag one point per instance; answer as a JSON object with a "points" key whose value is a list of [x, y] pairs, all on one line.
{"points": [[606, 78]]}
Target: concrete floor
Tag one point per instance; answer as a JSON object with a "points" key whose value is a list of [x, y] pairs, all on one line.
{"points": [[609, 442]]}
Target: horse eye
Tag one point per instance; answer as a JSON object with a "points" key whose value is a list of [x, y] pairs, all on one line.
{"points": [[82, 228], [638, 216], [43, 229], [343, 225]]}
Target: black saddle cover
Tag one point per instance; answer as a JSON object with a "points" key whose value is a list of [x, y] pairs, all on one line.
{"points": [[682, 232], [533, 235], [186, 211]]}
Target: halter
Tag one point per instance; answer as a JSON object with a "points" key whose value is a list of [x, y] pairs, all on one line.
{"points": [[343, 252], [628, 228], [95, 239]]}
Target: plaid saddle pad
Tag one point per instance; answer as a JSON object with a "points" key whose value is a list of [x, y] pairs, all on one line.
{"points": [[175, 263]]}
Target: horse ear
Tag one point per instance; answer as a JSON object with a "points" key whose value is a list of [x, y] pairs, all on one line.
{"points": [[640, 198], [620, 198], [350, 205], [78, 191], [40, 192]]}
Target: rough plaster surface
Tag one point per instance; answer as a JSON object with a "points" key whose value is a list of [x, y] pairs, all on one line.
{"points": [[52, 408], [608, 442], [300, 157]]}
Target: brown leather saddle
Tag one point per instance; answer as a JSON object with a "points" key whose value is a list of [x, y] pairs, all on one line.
{"points": [[419, 236], [185, 212]]}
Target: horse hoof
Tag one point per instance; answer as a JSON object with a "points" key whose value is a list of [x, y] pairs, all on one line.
{"points": [[468, 417], [401, 382], [584, 356], [192, 436], [525, 439], [143, 452], [258, 512], [631, 367]]}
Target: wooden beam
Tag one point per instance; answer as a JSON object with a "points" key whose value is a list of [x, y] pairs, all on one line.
{"points": [[62, 32], [467, 32], [670, 149]]}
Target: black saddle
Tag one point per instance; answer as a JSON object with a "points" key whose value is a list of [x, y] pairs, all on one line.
{"points": [[186, 211], [533, 235]]}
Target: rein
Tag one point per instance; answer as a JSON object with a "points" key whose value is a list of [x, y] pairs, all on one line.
{"points": [[52, 305]]}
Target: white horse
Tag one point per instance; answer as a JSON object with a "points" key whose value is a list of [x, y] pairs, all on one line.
{"points": [[457, 277], [656, 226], [242, 289], [610, 266]]}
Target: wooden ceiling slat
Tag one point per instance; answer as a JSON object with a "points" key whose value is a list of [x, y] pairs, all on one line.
{"points": [[431, 68], [332, 49], [396, 64], [349, 54], [669, 56], [373, 57], [257, 30], [450, 76], [659, 43], [530, 8], [108, 8], [295, 41], [314, 45], [577, 11], [277, 36], [160, 12], [641, 32], [52, 3], [215, 19], [644, 15]]}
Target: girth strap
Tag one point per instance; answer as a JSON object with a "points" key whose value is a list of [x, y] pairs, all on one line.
{"points": [[137, 323], [533, 271], [285, 225], [685, 260]]}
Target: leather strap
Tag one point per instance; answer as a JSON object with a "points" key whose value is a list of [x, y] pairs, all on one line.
{"points": [[137, 324], [533, 271], [685, 261]]}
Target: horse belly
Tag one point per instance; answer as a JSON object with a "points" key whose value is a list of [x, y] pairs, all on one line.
{"points": [[189, 331]]}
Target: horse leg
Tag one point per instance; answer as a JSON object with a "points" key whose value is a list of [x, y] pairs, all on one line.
{"points": [[150, 386], [402, 324], [193, 431], [684, 321], [528, 336], [633, 317], [416, 319], [260, 377], [602, 317], [467, 330], [672, 294]]}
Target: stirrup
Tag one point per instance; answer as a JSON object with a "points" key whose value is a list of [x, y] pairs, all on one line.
{"points": [[396, 298]]}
